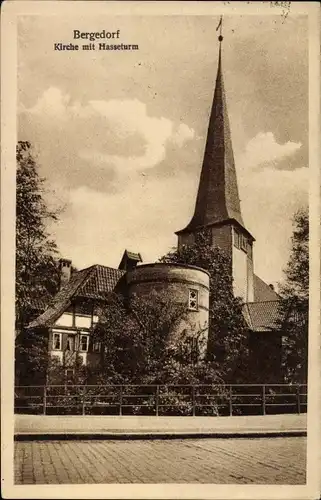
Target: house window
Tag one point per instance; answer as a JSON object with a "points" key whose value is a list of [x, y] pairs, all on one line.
{"points": [[84, 341], [193, 299], [236, 238], [56, 341]]}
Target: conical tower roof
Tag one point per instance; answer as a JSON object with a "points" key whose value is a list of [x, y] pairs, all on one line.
{"points": [[218, 197]]}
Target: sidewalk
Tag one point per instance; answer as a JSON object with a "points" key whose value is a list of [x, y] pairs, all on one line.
{"points": [[110, 427]]}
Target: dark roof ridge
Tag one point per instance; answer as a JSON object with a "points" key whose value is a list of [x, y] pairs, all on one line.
{"points": [[62, 299], [99, 265]]}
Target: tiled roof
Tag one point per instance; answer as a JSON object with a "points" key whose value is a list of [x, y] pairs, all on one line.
{"points": [[103, 280], [263, 316], [92, 282], [262, 291]]}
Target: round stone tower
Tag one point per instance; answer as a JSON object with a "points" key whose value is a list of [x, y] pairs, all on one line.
{"points": [[181, 284]]}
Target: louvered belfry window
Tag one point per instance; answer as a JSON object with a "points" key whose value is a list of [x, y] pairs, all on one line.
{"points": [[243, 243], [236, 239], [193, 299]]}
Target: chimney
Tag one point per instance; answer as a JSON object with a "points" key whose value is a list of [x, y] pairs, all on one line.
{"points": [[65, 271], [271, 286]]}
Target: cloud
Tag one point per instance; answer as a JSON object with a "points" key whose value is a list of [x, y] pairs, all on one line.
{"points": [[143, 217], [269, 197], [182, 134], [52, 103], [264, 150], [125, 136], [95, 152]]}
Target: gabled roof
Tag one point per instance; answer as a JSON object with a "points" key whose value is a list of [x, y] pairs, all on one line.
{"points": [[101, 280], [262, 291], [264, 316], [129, 258], [91, 283]]}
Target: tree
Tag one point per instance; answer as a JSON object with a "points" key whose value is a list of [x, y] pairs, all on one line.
{"points": [[297, 270], [37, 275], [295, 306], [31, 358], [228, 334], [138, 337], [143, 343]]}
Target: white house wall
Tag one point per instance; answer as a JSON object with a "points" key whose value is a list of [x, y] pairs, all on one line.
{"points": [[82, 321], [66, 319]]}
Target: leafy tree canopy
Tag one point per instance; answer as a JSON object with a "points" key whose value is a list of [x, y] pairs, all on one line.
{"points": [[295, 306], [143, 341], [37, 276], [297, 270], [228, 341]]}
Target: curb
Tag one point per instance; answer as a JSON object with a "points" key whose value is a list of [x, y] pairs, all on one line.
{"points": [[71, 436]]}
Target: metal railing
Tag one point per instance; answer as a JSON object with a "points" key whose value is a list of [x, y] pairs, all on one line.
{"points": [[194, 400]]}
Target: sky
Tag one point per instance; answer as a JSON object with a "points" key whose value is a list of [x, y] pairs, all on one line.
{"points": [[120, 135]]}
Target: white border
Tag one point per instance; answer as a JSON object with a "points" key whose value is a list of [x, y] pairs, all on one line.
{"points": [[10, 11]]}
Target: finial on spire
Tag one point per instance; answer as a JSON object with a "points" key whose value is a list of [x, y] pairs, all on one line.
{"points": [[220, 26]]}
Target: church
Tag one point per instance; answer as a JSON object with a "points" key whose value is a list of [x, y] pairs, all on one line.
{"points": [[71, 316]]}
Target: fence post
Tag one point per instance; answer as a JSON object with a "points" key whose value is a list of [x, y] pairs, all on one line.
{"points": [[263, 400], [230, 401], [83, 403], [156, 400], [193, 400], [44, 399], [120, 400], [298, 399]]}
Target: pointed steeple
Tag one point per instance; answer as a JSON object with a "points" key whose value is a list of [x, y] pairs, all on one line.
{"points": [[217, 198]]}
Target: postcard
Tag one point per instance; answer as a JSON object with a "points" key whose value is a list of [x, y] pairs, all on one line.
{"points": [[160, 249]]}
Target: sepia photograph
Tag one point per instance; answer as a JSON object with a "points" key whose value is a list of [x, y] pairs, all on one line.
{"points": [[162, 241]]}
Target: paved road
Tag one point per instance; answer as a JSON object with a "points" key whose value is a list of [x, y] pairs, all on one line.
{"points": [[221, 461]]}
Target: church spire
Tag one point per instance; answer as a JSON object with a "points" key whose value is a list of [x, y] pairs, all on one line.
{"points": [[217, 198]]}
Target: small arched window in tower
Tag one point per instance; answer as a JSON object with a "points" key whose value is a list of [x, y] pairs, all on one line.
{"points": [[193, 299]]}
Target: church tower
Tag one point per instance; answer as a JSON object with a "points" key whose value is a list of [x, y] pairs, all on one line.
{"points": [[217, 205]]}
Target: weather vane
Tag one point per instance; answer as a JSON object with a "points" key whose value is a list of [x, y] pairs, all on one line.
{"points": [[220, 26]]}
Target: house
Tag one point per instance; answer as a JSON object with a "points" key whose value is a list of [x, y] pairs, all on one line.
{"points": [[68, 322], [70, 317]]}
